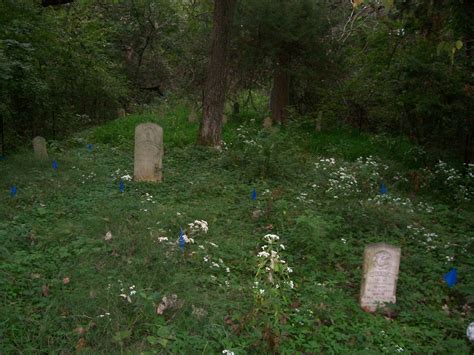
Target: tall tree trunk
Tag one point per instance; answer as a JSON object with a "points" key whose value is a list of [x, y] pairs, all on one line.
{"points": [[215, 85], [280, 96]]}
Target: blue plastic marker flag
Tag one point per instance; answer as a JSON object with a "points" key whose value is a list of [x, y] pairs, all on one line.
{"points": [[182, 242], [122, 186], [451, 277], [383, 189], [13, 191], [254, 194], [55, 165], [89, 147]]}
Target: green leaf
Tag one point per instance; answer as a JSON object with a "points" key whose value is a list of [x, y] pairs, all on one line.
{"points": [[152, 340], [459, 44], [388, 4], [120, 336]]}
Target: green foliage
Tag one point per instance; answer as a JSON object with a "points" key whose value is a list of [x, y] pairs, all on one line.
{"points": [[405, 73], [56, 225], [57, 71]]}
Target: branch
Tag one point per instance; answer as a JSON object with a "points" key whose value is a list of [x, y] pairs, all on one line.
{"points": [[46, 3]]}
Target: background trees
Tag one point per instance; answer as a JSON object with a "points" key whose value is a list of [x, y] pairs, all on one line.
{"points": [[399, 67]]}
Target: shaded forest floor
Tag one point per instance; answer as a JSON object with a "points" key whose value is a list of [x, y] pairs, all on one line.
{"points": [[66, 288]]}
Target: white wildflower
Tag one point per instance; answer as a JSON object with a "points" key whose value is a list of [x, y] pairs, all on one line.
{"points": [[270, 238], [108, 236]]}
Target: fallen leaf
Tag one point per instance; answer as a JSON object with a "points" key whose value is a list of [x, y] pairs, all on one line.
{"points": [[81, 344], [66, 280]]}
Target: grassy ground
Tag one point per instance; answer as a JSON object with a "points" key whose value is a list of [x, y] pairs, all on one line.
{"points": [[65, 288]]}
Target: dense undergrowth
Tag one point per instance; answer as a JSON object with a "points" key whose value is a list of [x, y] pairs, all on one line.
{"points": [[65, 287]]}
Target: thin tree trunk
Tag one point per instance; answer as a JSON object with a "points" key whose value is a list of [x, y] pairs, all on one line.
{"points": [[215, 85], [2, 136], [280, 96]]}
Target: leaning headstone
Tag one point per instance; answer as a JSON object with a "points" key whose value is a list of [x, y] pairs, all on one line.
{"points": [[39, 147], [192, 115], [379, 282], [148, 152], [267, 123], [121, 112]]}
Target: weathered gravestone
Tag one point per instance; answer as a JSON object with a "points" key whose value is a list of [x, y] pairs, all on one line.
{"points": [[121, 113], [267, 123], [192, 115], [379, 281], [39, 147], [148, 152]]}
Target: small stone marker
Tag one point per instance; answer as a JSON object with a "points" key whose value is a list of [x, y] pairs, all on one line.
{"points": [[319, 121], [148, 152], [267, 123], [224, 119], [39, 147], [192, 115], [379, 282], [121, 113]]}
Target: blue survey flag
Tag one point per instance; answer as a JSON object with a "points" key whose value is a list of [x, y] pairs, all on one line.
{"points": [[13, 191], [451, 277], [89, 147], [254, 194], [182, 242], [55, 165], [122, 186], [383, 189]]}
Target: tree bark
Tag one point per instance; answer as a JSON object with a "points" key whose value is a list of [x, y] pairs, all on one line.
{"points": [[280, 96], [215, 85]]}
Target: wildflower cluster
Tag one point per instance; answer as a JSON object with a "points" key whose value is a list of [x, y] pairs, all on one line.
{"points": [[121, 175], [392, 200], [194, 228], [459, 186], [88, 177], [344, 179], [127, 294], [198, 226], [145, 199], [244, 133], [419, 233], [273, 273]]}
